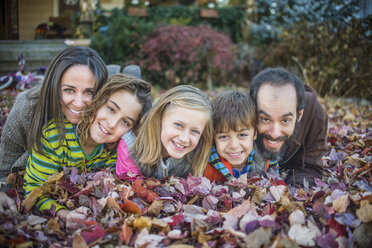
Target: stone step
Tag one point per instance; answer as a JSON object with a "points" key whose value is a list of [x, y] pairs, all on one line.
{"points": [[36, 53]]}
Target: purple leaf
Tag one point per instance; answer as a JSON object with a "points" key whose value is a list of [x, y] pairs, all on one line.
{"points": [[251, 226], [74, 176]]}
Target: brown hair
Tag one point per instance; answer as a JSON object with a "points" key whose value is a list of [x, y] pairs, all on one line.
{"points": [[233, 109], [118, 82], [48, 106]]}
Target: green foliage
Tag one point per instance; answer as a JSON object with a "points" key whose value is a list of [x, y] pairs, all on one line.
{"points": [[186, 55], [271, 18], [332, 58], [228, 21], [122, 38]]}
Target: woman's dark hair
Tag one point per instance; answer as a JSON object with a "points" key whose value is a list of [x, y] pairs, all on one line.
{"points": [[48, 106]]}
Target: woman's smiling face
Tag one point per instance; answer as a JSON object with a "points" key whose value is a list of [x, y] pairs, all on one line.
{"points": [[77, 89]]}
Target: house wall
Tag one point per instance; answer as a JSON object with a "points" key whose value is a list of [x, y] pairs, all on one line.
{"points": [[31, 13], [111, 4]]}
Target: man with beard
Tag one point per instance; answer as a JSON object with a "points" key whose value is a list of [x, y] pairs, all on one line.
{"points": [[292, 124]]}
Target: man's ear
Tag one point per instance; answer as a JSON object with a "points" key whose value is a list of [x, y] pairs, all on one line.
{"points": [[300, 114], [255, 134]]}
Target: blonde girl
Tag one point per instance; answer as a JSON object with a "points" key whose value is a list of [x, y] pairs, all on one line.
{"points": [[174, 138]]}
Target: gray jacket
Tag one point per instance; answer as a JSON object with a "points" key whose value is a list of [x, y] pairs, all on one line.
{"points": [[13, 146], [169, 167]]}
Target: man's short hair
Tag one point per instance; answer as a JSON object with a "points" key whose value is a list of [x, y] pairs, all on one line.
{"points": [[278, 76], [232, 110]]}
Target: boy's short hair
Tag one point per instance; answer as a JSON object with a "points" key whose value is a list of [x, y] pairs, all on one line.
{"points": [[232, 110]]}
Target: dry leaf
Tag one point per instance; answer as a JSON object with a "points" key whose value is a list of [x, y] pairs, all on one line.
{"points": [[126, 233], [303, 235], [155, 207], [31, 199], [112, 204], [241, 209], [79, 242], [364, 213], [297, 217], [33, 220], [130, 207], [258, 238], [175, 234], [53, 226], [55, 177], [142, 222], [340, 204]]}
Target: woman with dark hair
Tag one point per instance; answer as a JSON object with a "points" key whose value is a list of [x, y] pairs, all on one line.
{"points": [[70, 82]]}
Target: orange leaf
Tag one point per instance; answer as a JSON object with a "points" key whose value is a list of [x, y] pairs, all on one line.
{"points": [[126, 233], [130, 207], [151, 196], [141, 191]]}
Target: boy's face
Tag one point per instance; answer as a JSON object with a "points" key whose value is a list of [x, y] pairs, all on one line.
{"points": [[235, 146]]}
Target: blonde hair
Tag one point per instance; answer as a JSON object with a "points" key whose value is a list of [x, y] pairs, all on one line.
{"points": [[118, 82], [148, 145]]}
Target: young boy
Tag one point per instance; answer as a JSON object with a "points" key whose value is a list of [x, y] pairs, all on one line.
{"points": [[234, 122]]}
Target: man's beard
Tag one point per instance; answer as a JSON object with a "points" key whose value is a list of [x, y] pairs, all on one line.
{"points": [[272, 154]]}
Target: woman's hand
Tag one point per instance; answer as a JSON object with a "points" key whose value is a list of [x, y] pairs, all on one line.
{"points": [[74, 219]]}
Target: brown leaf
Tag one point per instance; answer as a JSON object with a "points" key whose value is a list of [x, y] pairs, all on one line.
{"points": [[161, 225], [54, 177], [155, 207], [31, 199], [79, 242], [341, 203], [258, 238], [364, 213], [53, 226], [111, 203]]}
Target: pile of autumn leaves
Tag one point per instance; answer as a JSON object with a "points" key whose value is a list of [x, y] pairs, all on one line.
{"points": [[193, 212]]}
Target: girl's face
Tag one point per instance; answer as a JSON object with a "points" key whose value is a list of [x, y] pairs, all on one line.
{"points": [[115, 118], [181, 129], [77, 88]]}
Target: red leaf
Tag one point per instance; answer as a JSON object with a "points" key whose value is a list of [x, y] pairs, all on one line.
{"points": [[177, 219], [141, 191], [340, 229], [95, 234], [126, 233]]}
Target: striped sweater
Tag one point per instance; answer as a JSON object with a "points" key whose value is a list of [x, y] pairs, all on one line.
{"points": [[219, 169], [57, 156]]}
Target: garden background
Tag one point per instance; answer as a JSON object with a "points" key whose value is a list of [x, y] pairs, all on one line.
{"points": [[327, 43]]}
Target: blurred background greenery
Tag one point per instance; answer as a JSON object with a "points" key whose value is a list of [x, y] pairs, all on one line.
{"points": [[327, 43]]}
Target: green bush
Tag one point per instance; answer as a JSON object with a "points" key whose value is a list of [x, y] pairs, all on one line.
{"points": [[332, 58], [122, 37], [186, 55]]}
